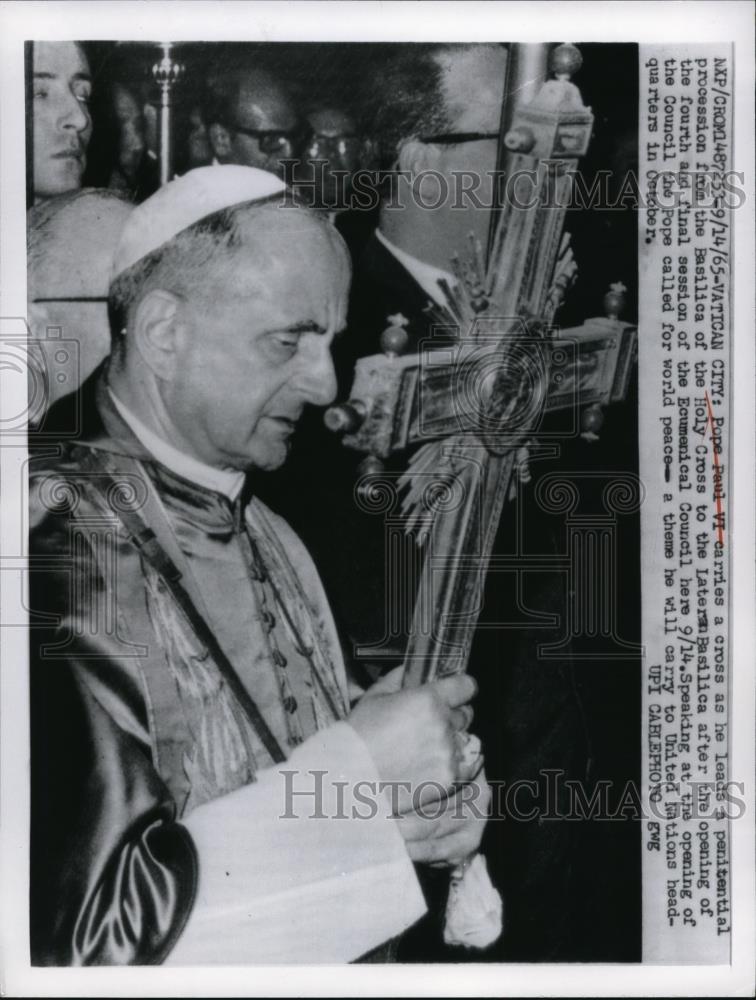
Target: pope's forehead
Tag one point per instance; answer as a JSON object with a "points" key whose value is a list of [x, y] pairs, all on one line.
{"points": [[295, 232], [286, 253]]}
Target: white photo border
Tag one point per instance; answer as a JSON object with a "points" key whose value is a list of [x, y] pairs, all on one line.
{"points": [[670, 22]]}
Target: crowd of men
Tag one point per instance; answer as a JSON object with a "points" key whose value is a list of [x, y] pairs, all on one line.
{"points": [[195, 662], [247, 112]]}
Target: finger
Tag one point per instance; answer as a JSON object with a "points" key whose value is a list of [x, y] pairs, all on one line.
{"points": [[470, 804], [430, 795], [415, 826], [441, 818], [461, 718], [470, 770], [457, 690], [469, 756], [447, 851], [425, 795], [389, 683]]}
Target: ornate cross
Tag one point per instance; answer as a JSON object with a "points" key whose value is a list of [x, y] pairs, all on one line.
{"points": [[472, 408]]}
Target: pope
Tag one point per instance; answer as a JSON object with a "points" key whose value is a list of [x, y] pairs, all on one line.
{"points": [[207, 785]]}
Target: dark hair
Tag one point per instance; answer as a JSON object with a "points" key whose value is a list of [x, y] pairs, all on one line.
{"points": [[402, 97], [220, 95]]}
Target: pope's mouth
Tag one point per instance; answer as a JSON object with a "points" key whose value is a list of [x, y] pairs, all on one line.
{"points": [[286, 424]]}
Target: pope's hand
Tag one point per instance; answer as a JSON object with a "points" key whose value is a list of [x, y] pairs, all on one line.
{"points": [[445, 834], [412, 737]]}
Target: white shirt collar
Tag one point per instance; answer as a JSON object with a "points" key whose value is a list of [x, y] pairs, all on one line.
{"points": [[226, 481], [426, 275]]}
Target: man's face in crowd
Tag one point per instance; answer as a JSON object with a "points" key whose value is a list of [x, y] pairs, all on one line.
{"points": [[261, 126], [131, 131], [62, 126], [333, 141], [473, 89], [255, 346], [199, 153]]}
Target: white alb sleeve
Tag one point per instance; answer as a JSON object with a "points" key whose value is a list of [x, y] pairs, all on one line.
{"points": [[305, 865]]}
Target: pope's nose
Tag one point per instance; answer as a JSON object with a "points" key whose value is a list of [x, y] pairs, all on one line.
{"points": [[317, 378]]}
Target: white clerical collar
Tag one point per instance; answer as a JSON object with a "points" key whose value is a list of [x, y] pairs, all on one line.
{"points": [[226, 481], [426, 275]]}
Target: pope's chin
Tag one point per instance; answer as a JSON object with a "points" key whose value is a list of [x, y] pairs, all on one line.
{"points": [[269, 450]]}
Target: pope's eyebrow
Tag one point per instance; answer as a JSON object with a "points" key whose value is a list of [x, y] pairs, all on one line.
{"points": [[303, 326]]}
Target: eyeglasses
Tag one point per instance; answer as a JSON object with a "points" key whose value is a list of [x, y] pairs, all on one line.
{"points": [[72, 298], [328, 147], [342, 139], [273, 142], [455, 138]]}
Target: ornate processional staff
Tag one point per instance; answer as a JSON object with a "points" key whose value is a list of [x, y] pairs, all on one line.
{"points": [[166, 74]]}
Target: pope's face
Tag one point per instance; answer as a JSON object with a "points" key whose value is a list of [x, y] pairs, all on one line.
{"points": [[257, 349], [62, 125]]}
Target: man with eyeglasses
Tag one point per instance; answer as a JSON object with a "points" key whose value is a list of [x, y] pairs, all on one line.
{"points": [[435, 126], [251, 120]]}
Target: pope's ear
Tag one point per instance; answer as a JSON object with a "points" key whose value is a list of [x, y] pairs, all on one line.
{"points": [[155, 326], [220, 141], [415, 156]]}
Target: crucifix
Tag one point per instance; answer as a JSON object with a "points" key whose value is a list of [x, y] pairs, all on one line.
{"points": [[471, 409]]}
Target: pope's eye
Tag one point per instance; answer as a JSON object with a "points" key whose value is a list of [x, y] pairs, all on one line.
{"points": [[286, 341]]}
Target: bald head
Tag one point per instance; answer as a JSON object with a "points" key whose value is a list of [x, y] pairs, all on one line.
{"points": [[71, 241]]}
